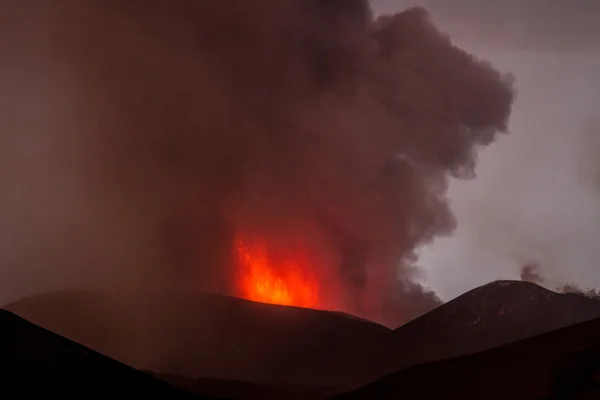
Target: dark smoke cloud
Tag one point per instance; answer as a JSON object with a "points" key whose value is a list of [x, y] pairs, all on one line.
{"points": [[306, 122]]}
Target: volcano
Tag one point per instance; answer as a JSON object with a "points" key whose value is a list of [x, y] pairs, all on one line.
{"points": [[473, 347], [216, 337], [492, 315], [224, 346], [287, 282]]}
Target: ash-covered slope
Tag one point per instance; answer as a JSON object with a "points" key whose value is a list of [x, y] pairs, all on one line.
{"points": [[562, 364], [34, 361], [491, 315], [210, 336]]}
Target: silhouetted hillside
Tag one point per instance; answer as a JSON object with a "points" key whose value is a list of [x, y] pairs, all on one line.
{"points": [[563, 364], [491, 315], [222, 346], [211, 336], [239, 390], [34, 361]]}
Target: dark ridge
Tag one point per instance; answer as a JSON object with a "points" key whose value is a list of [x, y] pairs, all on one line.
{"points": [[35, 361], [221, 346], [210, 336], [491, 315], [562, 364], [239, 390]]}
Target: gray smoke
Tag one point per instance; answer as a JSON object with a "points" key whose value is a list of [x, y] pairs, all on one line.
{"points": [[140, 137], [536, 195], [533, 273]]}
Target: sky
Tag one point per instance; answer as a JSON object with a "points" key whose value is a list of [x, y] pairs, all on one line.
{"points": [[536, 196]]}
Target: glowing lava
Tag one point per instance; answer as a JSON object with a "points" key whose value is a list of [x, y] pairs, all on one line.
{"points": [[276, 280]]}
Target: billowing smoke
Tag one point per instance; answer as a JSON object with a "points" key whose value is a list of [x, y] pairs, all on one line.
{"points": [[532, 273], [536, 196], [180, 124], [588, 292]]}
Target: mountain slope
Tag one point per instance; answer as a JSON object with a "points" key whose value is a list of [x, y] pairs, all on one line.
{"points": [[562, 364], [210, 336], [491, 315], [35, 361]]}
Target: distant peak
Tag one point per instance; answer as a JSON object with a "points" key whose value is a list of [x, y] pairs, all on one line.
{"points": [[507, 289]]}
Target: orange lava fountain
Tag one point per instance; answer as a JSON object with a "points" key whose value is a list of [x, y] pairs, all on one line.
{"points": [[267, 279]]}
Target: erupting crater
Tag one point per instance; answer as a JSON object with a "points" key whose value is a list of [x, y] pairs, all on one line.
{"points": [[274, 277]]}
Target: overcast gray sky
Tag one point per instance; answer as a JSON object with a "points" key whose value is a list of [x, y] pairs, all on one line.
{"points": [[537, 195]]}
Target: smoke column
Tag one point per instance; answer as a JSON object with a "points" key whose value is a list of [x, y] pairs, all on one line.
{"points": [[536, 195], [305, 122]]}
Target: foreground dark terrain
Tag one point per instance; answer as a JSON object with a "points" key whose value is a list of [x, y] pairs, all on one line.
{"points": [[34, 361], [224, 347], [563, 364], [215, 339], [492, 315]]}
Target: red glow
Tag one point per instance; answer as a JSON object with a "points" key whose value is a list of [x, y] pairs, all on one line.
{"points": [[268, 279]]}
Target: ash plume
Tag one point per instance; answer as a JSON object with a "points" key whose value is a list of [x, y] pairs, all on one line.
{"points": [[532, 273], [588, 292], [307, 122]]}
